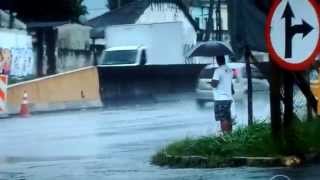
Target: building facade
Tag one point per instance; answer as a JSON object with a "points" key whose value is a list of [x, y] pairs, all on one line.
{"points": [[199, 11]]}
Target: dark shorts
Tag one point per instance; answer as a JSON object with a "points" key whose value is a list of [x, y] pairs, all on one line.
{"points": [[222, 110]]}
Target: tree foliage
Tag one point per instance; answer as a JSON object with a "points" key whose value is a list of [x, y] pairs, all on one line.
{"points": [[263, 6], [45, 10]]}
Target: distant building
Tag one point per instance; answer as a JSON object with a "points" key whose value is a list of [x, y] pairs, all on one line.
{"points": [[199, 11], [6, 21], [60, 46]]}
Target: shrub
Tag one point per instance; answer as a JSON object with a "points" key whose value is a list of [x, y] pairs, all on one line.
{"points": [[252, 141]]}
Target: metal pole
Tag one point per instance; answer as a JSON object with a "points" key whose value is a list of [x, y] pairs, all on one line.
{"points": [[288, 100], [11, 19], [119, 4], [209, 25], [218, 21], [11, 15], [309, 107], [40, 51], [275, 101], [249, 92], [95, 61]]}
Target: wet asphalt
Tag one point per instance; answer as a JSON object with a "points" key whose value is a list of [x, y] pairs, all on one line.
{"points": [[117, 143]]}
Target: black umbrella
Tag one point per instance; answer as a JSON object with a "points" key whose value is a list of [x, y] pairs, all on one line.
{"points": [[210, 49]]}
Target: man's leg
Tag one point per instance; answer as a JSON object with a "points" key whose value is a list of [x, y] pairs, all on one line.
{"points": [[217, 113], [226, 121], [224, 125], [223, 114]]}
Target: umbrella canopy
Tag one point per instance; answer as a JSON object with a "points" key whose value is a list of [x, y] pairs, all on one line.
{"points": [[210, 49]]}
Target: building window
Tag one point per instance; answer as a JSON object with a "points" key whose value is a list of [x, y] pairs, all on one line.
{"points": [[205, 22]]}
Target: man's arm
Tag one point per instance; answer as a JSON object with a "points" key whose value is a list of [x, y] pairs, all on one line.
{"points": [[215, 78], [214, 83], [232, 89]]}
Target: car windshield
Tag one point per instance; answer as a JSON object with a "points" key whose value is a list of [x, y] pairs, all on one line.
{"points": [[119, 57]]}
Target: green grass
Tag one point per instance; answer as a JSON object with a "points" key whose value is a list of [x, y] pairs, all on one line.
{"points": [[254, 141], [308, 136]]}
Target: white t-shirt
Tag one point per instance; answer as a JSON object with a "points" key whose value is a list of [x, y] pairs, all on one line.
{"points": [[223, 91]]}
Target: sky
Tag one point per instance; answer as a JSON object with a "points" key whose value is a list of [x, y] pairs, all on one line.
{"points": [[95, 7]]}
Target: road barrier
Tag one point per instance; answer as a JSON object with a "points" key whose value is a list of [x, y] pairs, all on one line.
{"points": [[89, 87], [146, 82], [3, 94], [71, 90]]}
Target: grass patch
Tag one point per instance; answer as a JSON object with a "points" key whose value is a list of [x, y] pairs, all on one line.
{"points": [[254, 141]]}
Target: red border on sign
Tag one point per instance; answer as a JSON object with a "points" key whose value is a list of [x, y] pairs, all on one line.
{"points": [[280, 61]]}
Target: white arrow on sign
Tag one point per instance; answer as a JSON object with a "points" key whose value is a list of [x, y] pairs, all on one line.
{"points": [[294, 32]]}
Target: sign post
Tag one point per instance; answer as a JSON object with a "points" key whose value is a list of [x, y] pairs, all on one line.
{"points": [[293, 40], [292, 33]]}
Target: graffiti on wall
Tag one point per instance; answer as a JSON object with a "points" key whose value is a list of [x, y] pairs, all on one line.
{"points": [[5, 61], [16, 54], [22, 61], [16, 61]]}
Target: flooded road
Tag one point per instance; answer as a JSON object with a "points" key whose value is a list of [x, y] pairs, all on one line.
{"points": [[116, 143]]}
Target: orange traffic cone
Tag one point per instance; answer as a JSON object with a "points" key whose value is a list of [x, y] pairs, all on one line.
{"points": [[24, 109]]}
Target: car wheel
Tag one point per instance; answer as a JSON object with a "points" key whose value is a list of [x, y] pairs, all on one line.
{"points": [[201, 103]]}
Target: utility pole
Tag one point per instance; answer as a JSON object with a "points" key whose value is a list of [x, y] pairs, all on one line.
{"points": [[209, 25], [218, 21], [118, 3], [11, 15], [249, 90]]}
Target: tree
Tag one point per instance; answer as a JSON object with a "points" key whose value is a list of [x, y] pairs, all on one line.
{"points": [[49, 10], [263, 6]]}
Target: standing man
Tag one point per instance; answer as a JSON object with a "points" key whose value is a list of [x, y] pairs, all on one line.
{"points": [[222, 94]]}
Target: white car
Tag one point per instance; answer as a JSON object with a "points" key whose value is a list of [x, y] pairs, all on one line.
{"points": [[204, 89]]}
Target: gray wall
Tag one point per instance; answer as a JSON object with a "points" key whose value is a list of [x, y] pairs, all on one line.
{"points": [[69, 59]]}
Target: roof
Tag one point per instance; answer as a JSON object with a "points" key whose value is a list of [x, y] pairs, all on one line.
{"points": [[129, 14], [120, 48], [49, 24], [5, 21]]}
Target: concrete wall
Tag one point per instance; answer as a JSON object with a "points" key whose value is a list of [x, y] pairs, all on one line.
{"points": [[73, 47], [71, 90], [69, 59], [73, 36]]}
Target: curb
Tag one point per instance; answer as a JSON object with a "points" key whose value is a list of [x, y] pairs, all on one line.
{"points": [[236, 161]]}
